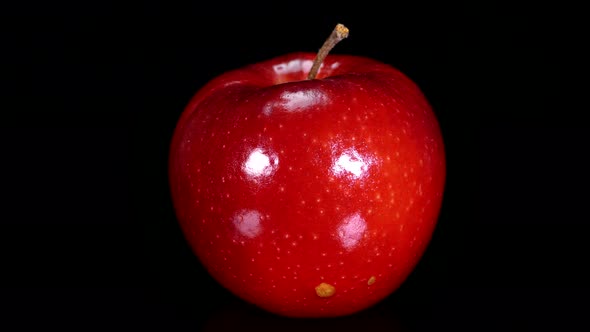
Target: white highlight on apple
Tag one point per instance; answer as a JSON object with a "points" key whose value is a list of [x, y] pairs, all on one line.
{"points": [[351, 230], [352, 163], [296, 101], [259, 163], [293, 66], [247, 222]]}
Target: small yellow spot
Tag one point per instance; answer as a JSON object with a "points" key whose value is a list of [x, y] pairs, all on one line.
{"points": [[371, 281], [325, 290]]}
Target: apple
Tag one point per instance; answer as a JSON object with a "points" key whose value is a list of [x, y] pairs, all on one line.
{"points": [[309, 192]]}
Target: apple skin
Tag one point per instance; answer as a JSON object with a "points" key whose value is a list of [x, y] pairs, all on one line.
{"points": [[282, 184]]}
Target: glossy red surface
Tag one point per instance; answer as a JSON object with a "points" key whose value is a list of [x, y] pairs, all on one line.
{"points": [[282, 184]]}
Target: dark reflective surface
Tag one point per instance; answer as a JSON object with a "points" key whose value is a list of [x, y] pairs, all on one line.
{"points": [[238, 316]]}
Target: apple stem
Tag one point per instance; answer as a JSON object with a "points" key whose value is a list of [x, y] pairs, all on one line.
{"points": [[340, 32]]}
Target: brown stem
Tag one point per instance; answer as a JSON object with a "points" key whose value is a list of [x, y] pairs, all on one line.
{"points": [[340, 32]]}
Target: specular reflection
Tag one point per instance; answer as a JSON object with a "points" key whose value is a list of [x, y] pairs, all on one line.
{"points": [[299, 100], [260, 163], [296, 101], [293, 66], [247, 223], [351, 163], [351, 230]]}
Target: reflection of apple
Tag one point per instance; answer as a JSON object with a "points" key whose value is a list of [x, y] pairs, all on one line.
{"points": [[308, 197]]}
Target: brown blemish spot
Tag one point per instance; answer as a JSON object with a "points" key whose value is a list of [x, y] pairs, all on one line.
{"points": [[371, 280], [325, 290]]}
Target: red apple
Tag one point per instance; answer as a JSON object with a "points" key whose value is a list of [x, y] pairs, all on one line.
{"points": [[308, 197]]}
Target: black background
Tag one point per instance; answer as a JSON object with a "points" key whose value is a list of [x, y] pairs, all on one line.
{"points": [[91, 94]]}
